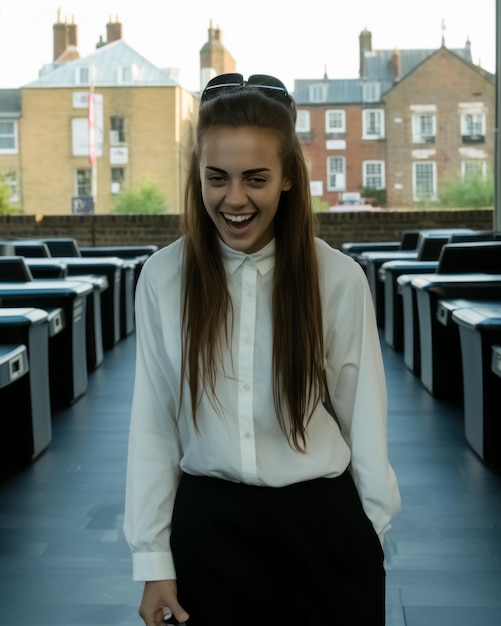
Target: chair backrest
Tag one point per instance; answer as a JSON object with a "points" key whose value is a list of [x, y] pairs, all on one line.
{"points": [[430, 245], [409, 240], [33, 249], [62, 246], [13, 269], [480, 235], [470, 257]]}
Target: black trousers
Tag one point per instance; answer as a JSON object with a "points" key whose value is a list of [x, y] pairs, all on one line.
{"points": [[304, 555]]}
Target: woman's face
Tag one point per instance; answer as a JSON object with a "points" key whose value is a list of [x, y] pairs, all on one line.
{"points": [[242, 180]]}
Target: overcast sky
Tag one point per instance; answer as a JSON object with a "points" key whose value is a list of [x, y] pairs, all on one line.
{"points": [[289, 40]]}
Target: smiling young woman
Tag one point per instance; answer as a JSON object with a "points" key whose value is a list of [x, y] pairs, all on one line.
{"points": [[247, 502], [242, 182]]}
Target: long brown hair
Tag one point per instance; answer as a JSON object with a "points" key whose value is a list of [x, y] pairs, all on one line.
{"points": [[298, 351]]}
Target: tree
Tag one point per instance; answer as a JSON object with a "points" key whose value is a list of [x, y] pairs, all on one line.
{"points": [[473, 193], [319, 205], [5, 194], [146, 199]]}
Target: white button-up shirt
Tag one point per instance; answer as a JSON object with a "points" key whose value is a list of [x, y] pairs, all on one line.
{"points": [[239, 436]]}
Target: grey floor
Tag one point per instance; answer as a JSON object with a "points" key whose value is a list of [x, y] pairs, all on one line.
{"points": [[63, 559]]}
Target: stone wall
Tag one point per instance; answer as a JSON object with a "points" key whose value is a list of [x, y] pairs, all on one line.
{"points": [[335, 228]]}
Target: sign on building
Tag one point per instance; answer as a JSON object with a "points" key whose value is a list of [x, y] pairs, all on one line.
{"points": [[82, 205]]}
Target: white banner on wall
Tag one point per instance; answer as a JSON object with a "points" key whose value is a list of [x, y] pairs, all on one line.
{"points": [[80, 125]]}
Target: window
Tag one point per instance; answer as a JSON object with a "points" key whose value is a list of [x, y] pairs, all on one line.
{"points": [[373, 124], [473, 170], [318, 92], [335, 121], [303, 121], [371, 92], [117, 132], [473, 127], [373, 174], [8, 137], [83, 75], [11, 178], [84, 182], [125, 74], [424, 181], [423, 128], [336, 174], [303, 126], [117, 179]]}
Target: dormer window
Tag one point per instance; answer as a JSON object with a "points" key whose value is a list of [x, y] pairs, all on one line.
{"points": [[371, 92], [125, 74], [318, 92], [83, 75]]}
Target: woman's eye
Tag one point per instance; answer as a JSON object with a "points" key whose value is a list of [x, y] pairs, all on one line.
{"points": [[216, 179]]}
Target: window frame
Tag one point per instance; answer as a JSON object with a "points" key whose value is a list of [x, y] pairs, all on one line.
{"points": [[79, 71], [13, 135], [117, 180], [86, 185], [470, 137], [335, 129], [434, 194], [371, 91], [318, 92], [480, 162], [341, 173], [117, 120], [418, 136], [377, 113], [382, 174], [125, 74]]}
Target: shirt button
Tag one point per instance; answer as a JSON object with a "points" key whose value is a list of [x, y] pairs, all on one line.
{"points": [[250, 294], [247, 387], [247, 435]]}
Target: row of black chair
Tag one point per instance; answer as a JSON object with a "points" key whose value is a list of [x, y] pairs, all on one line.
{"points": [[440, 305], [61, 308]]}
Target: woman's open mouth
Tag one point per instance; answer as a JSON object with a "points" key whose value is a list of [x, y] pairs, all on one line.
{"points": [[238, 222]]}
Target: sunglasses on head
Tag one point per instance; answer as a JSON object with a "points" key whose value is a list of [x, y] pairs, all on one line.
{"points": [[268, 85]]}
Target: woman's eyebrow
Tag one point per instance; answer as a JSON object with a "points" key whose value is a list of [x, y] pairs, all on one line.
{"points": [[256, 170]]}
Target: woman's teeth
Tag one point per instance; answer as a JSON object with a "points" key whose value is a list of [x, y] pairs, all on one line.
{"points": [[237, 218]]}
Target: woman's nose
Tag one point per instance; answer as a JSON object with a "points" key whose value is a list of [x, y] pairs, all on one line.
{"points": [[236, 196]]}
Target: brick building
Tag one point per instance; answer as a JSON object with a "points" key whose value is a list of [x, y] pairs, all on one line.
{"points": [[411, 120], [142, 122]]}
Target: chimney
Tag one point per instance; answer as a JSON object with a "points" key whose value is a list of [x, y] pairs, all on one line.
{"points": [[214, 58], [365, 40], [72, 33], [60, 36], [113, 30], [395, 65]]}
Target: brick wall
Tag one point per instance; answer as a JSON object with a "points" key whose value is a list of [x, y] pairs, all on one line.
{"points": [[335, 228]]}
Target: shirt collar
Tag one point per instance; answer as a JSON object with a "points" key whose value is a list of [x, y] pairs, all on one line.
{"points": [[263, 260]]}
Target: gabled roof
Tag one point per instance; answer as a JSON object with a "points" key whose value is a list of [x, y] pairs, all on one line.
{"points": [[378, 70], [105, 62], [378, 62], [10, 103]]}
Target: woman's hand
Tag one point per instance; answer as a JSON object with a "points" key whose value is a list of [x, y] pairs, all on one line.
{"points": [[157, 595]]}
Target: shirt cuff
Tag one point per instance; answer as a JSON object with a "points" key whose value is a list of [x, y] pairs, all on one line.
{"points": [[153, 566]]}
